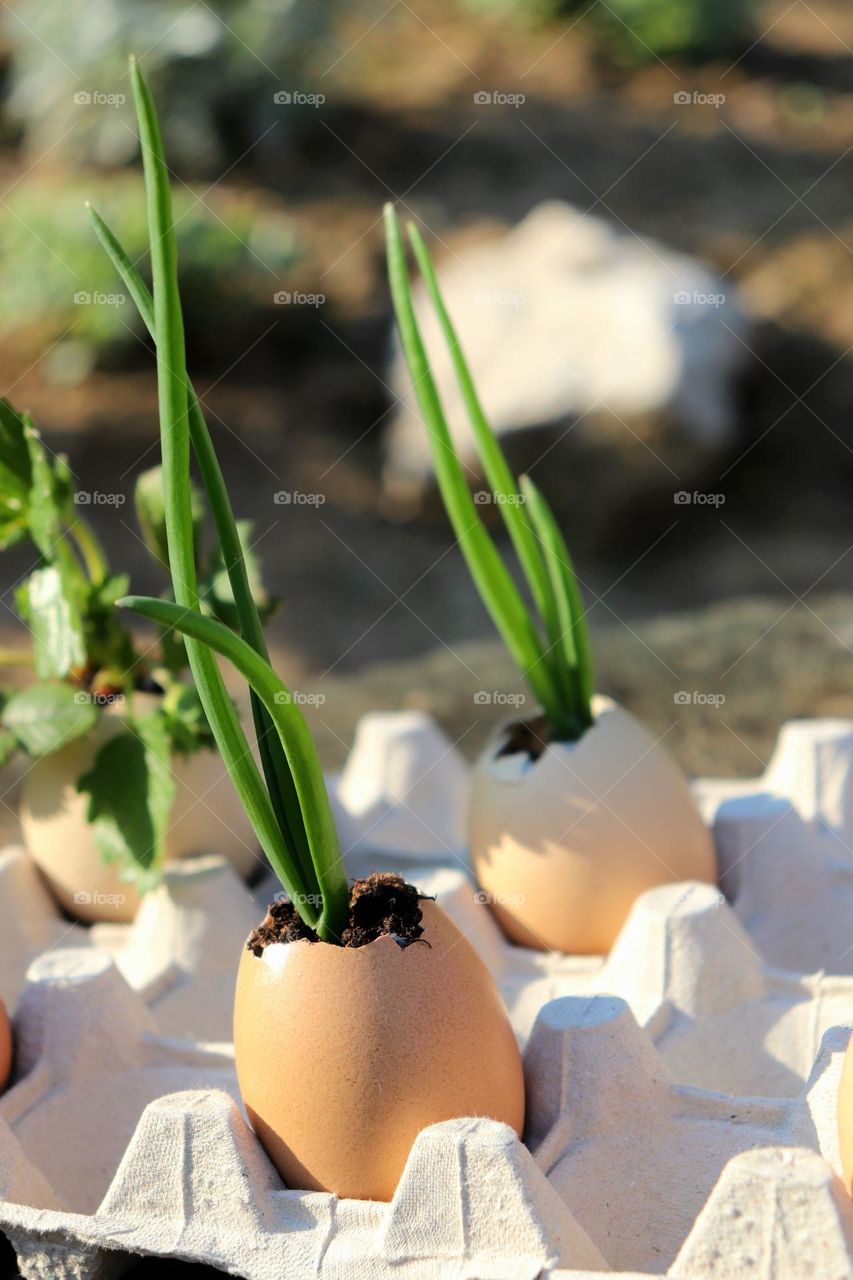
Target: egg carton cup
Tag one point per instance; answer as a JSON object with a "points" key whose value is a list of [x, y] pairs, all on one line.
{"points": [[681, 1094]]}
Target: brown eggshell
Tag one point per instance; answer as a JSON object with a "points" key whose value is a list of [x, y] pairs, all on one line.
{"points": [[206, 817], [562, 846], [845, 1118], [345, 1054], [5, 1047]]}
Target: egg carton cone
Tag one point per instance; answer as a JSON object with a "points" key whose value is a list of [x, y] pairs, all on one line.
{"points": [[118, 1143], [180, 953]]}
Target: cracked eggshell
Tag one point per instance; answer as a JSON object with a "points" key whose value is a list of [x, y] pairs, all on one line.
{"points": [[5, 1047], [563, 845], [345, 1054], [206, 817]]}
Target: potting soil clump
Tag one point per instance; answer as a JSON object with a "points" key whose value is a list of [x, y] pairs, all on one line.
{"points": [[380, 904]]}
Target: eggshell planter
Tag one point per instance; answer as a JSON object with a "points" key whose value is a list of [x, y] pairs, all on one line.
{"points": [[345, 1054], [681, 1095], [564, 844], [206, 817]]}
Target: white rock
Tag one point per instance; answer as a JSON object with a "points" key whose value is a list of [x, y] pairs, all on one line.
{"points": [[567, 314]]}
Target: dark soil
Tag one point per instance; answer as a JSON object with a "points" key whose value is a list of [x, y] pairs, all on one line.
{"points": [[531, 736], [380, 904]]}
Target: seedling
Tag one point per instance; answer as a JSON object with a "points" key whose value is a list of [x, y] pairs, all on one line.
{"points": [[288, 807], [85, 659], [550, 642]]}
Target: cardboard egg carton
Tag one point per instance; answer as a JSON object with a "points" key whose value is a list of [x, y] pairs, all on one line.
{"points": [[681, 1093], [120, 1142]]}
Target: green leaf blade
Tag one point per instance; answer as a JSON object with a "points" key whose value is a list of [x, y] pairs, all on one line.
{"points": [[574, 634], [496, 588]]}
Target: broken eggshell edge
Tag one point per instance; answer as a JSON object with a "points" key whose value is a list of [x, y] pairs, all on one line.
{"points": [[562, 846], [345, 1054]]}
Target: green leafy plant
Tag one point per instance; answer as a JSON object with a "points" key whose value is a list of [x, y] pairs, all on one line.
{"points": [[84, 657], [550, 645], [288, 807]]}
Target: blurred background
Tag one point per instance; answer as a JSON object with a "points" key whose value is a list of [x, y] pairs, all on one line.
{"points": [[641, 213]]}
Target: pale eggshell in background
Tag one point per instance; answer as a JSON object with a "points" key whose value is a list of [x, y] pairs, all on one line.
{"points": [[5, 1046], [345, 1054], [207, 817], [562, 846]]}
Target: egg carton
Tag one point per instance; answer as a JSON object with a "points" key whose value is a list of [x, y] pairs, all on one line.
{"points": [[120, 1142], [681, 1094]]}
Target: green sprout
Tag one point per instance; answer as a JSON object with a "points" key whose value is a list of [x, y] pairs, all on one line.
{"points": [[551, 646], [288, 808]]}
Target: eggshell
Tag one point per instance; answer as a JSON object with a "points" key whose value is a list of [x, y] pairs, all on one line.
{"points": [[5, 1047], [845, 1118], [345, 1054], [563, 845], [206, 817]]}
